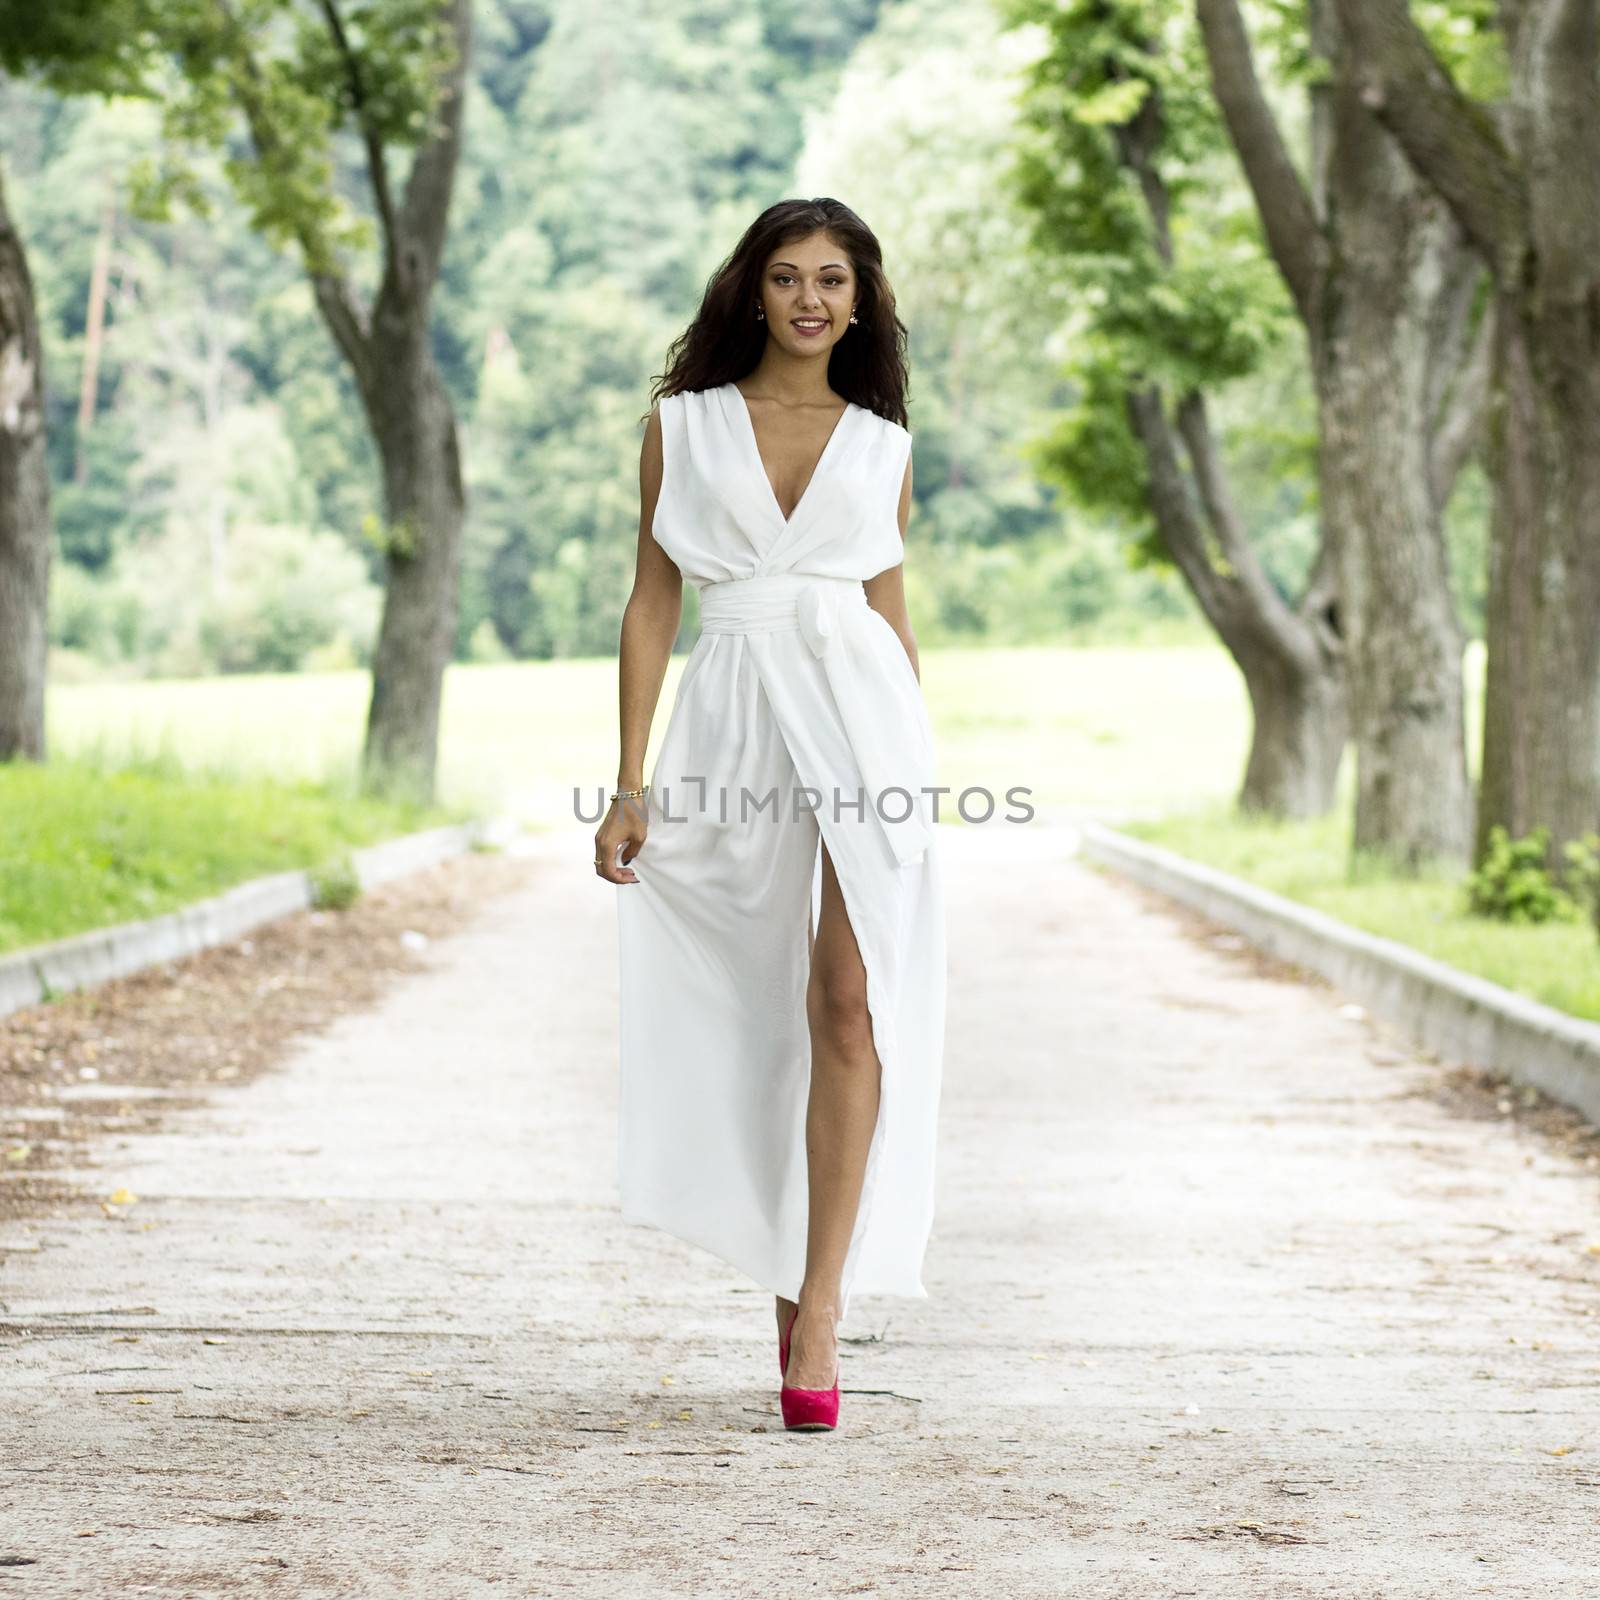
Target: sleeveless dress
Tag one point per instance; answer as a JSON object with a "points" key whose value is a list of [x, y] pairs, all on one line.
{"points": [[797, 712]]}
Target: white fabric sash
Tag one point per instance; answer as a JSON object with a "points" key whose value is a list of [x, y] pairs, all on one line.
{"points": [[824, 609]]}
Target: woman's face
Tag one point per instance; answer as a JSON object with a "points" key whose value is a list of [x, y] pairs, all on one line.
{"points": [[807, 292]]}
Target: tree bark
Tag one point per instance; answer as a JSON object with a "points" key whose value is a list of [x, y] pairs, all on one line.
{"points": [[1369, 264], [1528, 200], [424, 512], [1541, 729], [25, 531], [1393, 258]]}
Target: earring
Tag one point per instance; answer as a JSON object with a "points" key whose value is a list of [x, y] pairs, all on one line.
{"points": [[761, 315], [852, 314]]}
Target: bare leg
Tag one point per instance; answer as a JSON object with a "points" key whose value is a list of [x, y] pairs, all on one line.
{"points": [[841, 1113]]}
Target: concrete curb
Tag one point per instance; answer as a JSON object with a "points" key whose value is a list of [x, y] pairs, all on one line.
{"points": [[1462, 1017], [85, 959]]}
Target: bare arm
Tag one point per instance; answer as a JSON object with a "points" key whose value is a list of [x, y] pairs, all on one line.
{"points": [[650, 623], [886, 593]]}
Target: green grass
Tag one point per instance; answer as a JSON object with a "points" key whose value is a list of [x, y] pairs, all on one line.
{"points": [[89, 842], [1556, 963]]}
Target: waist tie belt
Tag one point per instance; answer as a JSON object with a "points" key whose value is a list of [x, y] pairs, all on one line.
{"points": [[822, 608]]}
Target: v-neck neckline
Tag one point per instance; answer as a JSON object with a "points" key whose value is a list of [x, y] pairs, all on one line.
{"points": [[761, 467]]}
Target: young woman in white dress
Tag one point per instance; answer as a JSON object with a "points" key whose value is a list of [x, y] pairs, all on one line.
{"points": [[780, 1075]]}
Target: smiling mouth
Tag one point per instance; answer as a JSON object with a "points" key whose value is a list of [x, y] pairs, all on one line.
{"points": [[809, 322]]}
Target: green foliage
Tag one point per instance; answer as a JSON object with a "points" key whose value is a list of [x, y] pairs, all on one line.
{"points": [[280, 599], [278, 74], [1091, 446], [1078, 583], [78, 46], [1513, 883], [1112, 102], [1199, 306], [1467, 37]]}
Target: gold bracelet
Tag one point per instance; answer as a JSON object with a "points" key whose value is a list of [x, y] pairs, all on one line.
{"points": [[626, 794]]}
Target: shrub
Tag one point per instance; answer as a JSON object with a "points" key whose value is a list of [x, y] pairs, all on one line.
{"points": [[1513, 884], [335, 885], [1583, 857]]}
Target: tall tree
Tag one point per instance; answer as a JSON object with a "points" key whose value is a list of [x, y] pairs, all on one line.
{"points": [[1381, 278], [392, 74], [1126, 140], [1529, 197]]}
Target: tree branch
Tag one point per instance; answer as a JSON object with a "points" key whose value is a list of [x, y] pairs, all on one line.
{"points": [[377, 162], [427, 203], [1451, 142], [1256, 588], [1287, 215], [346, 321], [1173, 505], [1450, 325], [1460, 429]]}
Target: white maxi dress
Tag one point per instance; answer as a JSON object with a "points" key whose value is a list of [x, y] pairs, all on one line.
{"points": [[797, 711]]}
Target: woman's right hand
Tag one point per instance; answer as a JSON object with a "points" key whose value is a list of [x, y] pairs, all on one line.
{"points": [[625, 824]]}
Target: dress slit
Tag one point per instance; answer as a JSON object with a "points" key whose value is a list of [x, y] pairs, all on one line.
{"points": [[877, 1011]]}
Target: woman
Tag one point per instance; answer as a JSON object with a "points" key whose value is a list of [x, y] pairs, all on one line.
{"points": [[780, 1079]]}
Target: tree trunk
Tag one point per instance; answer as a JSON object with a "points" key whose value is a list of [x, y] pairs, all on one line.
{"points": [[1394, 248], [1541, 730], [424, 510], [1300, 727], [25, 533], [1366, 262]]}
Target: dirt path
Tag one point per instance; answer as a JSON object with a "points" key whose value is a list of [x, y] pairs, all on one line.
{"points": [[1225, 1302]]}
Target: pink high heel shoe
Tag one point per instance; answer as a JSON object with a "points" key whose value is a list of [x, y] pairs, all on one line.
{"points": [[810, 1410], [807, 1410]]}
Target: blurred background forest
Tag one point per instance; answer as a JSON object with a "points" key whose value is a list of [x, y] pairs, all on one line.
{"points": [[215, 493]]}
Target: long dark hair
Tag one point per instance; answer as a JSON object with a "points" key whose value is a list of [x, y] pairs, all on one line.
{"points": [[725, 340]]}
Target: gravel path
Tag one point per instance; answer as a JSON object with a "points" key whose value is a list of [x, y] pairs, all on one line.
{"points": [[1225, 1301]]}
